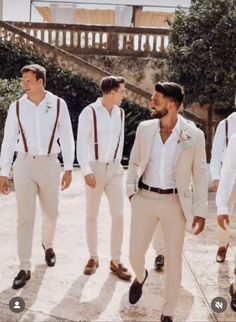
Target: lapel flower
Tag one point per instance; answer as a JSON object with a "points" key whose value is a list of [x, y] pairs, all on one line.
{"points": [[184, 137], [49, 106]]}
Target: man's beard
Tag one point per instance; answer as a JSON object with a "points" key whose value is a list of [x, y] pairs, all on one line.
{"points": [[122, 104], [160, 114]]}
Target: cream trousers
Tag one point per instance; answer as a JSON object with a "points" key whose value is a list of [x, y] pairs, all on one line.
{"points": [[109, 180], [148, 208], [35, 176]]}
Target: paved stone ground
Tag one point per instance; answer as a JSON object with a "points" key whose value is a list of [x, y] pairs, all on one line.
{"points": [[63, 293]]}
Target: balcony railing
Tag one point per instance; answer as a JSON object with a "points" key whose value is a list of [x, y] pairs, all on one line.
{"points": [[101, 40], [16, 37]]}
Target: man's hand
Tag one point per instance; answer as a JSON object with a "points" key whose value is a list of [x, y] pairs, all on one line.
{"points": [[66, 179], [4, 185], [223, 221], [90, 180], [198, 225], [215, 184]]}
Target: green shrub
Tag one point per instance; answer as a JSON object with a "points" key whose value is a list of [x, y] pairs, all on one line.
{"points": [[10, 91]]}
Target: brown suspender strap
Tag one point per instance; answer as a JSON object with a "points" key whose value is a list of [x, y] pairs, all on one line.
{"points": [[20, 125], [55, 126], [226, 132], [118, 143], [95, 133]]}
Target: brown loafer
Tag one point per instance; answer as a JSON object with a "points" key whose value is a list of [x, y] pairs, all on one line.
{"points": [[21, 279], [91, 266], [233, 297], [50, 256], [120, 271], [221, 254]]}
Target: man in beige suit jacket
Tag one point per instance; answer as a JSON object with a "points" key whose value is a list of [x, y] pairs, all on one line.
{"points": [[167, 168]]}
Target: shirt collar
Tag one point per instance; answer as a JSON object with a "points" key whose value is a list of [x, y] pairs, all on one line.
{"points": [[47, 99], [234, 114], [175, 129], [98, 104]]}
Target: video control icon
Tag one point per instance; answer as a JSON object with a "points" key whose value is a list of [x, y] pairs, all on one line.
{"points": [[218, 304], [17, 304]]}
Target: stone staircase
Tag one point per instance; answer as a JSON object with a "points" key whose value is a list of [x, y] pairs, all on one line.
{"points": [[10, 34]]}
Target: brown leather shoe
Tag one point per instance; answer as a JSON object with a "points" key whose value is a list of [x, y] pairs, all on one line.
{"points": [[91, 266], [233, 297], [221, 254], [50, 256], [120, 271]]}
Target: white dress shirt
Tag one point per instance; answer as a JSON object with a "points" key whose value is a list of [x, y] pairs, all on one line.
{"points": [[161, 165], [219, 146], [38, 122], [227, 179], [108, 131]]}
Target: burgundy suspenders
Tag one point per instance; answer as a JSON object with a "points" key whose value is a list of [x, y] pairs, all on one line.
{"points": [[21, 128], [22, 131], [96, 133], [55, 126], [226, 132], [118, 143]]}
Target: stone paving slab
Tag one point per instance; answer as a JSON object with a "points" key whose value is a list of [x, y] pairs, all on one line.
{"points": [[63, 293]]}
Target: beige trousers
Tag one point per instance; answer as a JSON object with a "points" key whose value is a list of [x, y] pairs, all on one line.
{"points": [[148, 208], [157, 241], [108, 179], [35, 176]]}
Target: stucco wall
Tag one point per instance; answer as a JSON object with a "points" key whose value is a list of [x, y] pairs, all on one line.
{"points": [[143, 72]]}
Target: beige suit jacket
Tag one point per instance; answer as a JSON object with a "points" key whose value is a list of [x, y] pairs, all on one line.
{"points": [[190, 165]]}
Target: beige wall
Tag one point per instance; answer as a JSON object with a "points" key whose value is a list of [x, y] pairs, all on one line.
{"points": [[1, 9], [142, 72]]}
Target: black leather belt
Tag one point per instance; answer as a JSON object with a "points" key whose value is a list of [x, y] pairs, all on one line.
{"points": [[157, 190]]}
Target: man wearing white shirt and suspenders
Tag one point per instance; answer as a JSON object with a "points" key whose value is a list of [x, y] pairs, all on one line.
{"points": [[33, 125], [226, 200], [225, 130], [99, 151]]}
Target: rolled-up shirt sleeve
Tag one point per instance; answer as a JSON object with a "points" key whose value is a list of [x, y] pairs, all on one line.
{"points": [[227, 179], [11, 132], [83, 135], [122, 134], [217, 152]]}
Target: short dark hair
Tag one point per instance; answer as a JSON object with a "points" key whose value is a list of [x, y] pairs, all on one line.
{"points": [[173, 91], [110, 83], [38, 70]]}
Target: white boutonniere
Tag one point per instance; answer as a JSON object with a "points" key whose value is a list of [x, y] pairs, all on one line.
{"points": [[185, 138], [49, 106]]}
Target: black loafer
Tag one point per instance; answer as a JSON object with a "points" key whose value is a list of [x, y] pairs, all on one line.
{"points": [[233, 298], [166, 318], [159, 263], [50, 256], [135, 291], [21, 279]]}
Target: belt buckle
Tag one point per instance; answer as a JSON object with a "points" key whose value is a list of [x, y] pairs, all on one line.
{"points": [[149, 188]]}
